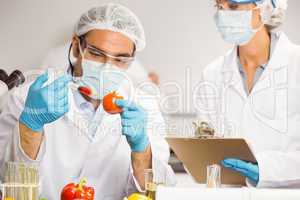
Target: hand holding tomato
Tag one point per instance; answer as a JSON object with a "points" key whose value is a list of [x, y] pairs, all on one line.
{"points": [[134, 125]]}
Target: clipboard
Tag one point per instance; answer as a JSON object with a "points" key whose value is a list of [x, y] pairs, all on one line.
{"points": [[196, 154]]}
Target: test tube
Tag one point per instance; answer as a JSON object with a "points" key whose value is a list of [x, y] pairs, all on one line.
{"points": [[21, 181], [150, 185], [213, 179]]}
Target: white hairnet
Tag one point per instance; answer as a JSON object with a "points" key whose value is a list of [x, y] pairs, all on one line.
{"points": [[113, 17], [273, 12]]}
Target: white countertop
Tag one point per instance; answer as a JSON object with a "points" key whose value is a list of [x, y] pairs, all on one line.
{"points": [[188, 189]]}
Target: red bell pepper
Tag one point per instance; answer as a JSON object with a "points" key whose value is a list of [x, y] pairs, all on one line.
{"points": [[79, 191]]}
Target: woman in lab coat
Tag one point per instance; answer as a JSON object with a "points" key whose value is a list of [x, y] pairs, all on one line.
{"points": [[67, 133], [253, 91]]}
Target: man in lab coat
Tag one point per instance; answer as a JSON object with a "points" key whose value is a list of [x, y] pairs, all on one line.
{"points": [[252, 92], [65, 131]]}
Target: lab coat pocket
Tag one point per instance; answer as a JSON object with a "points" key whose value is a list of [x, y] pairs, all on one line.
{"points": [[270, 102]]}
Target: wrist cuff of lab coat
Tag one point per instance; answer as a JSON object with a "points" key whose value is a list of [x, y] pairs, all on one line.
{"points": [[265, 169]]}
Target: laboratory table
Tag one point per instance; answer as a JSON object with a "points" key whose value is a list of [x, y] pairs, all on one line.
{"points": [[187, 189]]}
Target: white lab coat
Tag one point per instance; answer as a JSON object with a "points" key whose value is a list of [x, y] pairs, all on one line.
{"points": [[68, 153], [269, 118]]}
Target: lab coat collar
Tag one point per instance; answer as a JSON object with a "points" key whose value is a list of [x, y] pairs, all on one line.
{"points": [[280, 56], [231, 75], [278, 63], [278, 60]]}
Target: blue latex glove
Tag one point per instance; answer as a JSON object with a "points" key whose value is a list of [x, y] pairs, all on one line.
{"points": [[134, 125], [45, 104], [246, 169]]}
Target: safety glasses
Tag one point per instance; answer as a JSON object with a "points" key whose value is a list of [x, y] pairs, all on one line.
{"points": [[95, 54], [233, 4]]}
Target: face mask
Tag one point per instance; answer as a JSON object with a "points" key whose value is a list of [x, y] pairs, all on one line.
{"points": [[101, 78], [235, 26]]}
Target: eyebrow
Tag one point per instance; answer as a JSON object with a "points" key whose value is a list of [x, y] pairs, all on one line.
{"points": [[116, 55]]}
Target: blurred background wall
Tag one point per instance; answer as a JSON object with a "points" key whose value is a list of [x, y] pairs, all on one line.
{"points": [[181, 35]]}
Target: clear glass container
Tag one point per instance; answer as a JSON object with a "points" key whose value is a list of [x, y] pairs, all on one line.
{"points": [[21, 181], [150, 185], [213, 179]]}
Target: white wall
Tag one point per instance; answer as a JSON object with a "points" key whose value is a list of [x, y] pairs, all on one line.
{"points": [[179, 33]]}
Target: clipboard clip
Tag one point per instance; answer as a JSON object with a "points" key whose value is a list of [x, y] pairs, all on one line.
{"points": [[203, 130]]}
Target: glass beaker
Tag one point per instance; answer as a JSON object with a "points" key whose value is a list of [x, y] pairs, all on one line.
{"points": [[150, 185], [21, 181], [213, 178]]}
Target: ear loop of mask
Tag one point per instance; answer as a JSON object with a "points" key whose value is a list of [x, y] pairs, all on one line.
{"points": [[71, 69], [81, 51]]}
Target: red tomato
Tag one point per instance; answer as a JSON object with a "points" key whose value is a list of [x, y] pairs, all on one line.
{"points": [[109, 103]]}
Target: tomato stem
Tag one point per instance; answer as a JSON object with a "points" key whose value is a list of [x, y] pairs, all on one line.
{"points": [[81, 184]]}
